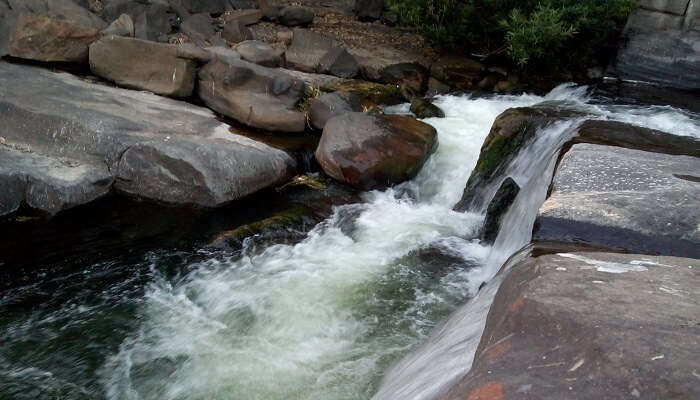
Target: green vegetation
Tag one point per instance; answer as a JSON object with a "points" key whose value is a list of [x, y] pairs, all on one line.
{"points": [[533, 33]]}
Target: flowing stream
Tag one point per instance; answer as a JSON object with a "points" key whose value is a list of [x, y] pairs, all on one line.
{"points": [[354, 310]]}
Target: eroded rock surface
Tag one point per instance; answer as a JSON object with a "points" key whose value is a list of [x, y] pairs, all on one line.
{"points": [[590, 326]]}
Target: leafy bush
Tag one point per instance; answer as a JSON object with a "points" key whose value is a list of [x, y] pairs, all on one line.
{"points": [[531, 32]]}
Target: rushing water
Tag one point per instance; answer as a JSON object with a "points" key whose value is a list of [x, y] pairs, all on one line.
{"points": [[324, 318]]}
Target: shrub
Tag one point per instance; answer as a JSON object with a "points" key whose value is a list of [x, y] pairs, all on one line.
{"points": [[531, 32]]}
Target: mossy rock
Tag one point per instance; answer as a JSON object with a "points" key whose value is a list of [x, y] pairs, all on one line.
{"points": [[282, 220], [424, 108], [373, 93]]}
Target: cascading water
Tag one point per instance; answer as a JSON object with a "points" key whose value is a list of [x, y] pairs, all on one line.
{"points": [[320, 319]]}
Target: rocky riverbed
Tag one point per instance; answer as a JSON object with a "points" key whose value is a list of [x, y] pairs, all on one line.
{"points": [[260, 199]]}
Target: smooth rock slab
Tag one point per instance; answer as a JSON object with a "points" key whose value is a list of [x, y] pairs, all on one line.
{"points": [[140, 64], [153, 147], [590, 326], [624, 199]]}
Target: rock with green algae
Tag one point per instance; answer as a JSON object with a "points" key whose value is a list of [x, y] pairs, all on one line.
{"points": [[373, 93], [280, 221], [424, 108]]}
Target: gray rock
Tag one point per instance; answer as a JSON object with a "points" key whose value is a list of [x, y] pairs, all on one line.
{"points": [[370, 151], [677, 7], [200, 29], [151, 20], [564, 326], [259, 52], [369, 10], [236, 32], [270, 9], [624, 199], [245, 17], [498, 207], [392, 66], [223, 54], [320, 81], [153, 147], [339, 62], [331, 105], [140, 64], [295, 16], [254, 95], [41, 38], [122, 26], [307, 50]]}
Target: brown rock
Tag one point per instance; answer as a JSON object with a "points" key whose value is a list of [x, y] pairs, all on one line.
{"points": [[141, 64], [245, 17], [461, 72], [370, 151], [41, 38]]}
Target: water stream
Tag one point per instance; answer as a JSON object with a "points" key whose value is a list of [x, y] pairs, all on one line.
{"points": [[365, 292]]}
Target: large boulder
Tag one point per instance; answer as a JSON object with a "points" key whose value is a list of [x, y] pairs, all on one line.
{"points": [[392, 66], [199, 28], [65, 10], [42, 38], [259, 52], [337, 61], [254, 95], [140, 64], [370, 151], [332, 105], [122, 26], [625, 199], [245, 17], [66, 141], [295, 16], [590, 326], [307, 50], [460, 72], [235, 32]]}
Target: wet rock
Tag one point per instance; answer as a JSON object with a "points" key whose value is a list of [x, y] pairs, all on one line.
{"points": [[490, 81], [331, 105], [624, 199], [337, 61], [369, 10], [411, 75], [122, 26], [41, 38], [236, 32], [509, 132], [78, 137], [373, 151], [259, 52], [461, 72], [423, 108], [499, 205], [307, 50], [245, 17], [436, 87], [254, 95], [295, 16], [589, 326], [140, 64]]}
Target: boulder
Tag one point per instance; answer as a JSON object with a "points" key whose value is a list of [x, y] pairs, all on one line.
{"points": [[369, 10], [371, 151], [64, 10], [199, 28], [270, 9], [423, 108], [245, 17], [588, 325], [122, 26], [236, 32], [337, 61], [67, 141], [624, 199], [372, 92], [307, 50], [295, 16], [254, 95], [203, 6], [436, 87], [140, 64], [319, 81], [460, 72], [259, 52], [498, 207], [42, 38], [331, 105], [224, 54], [392, 66], [152, 20]]}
